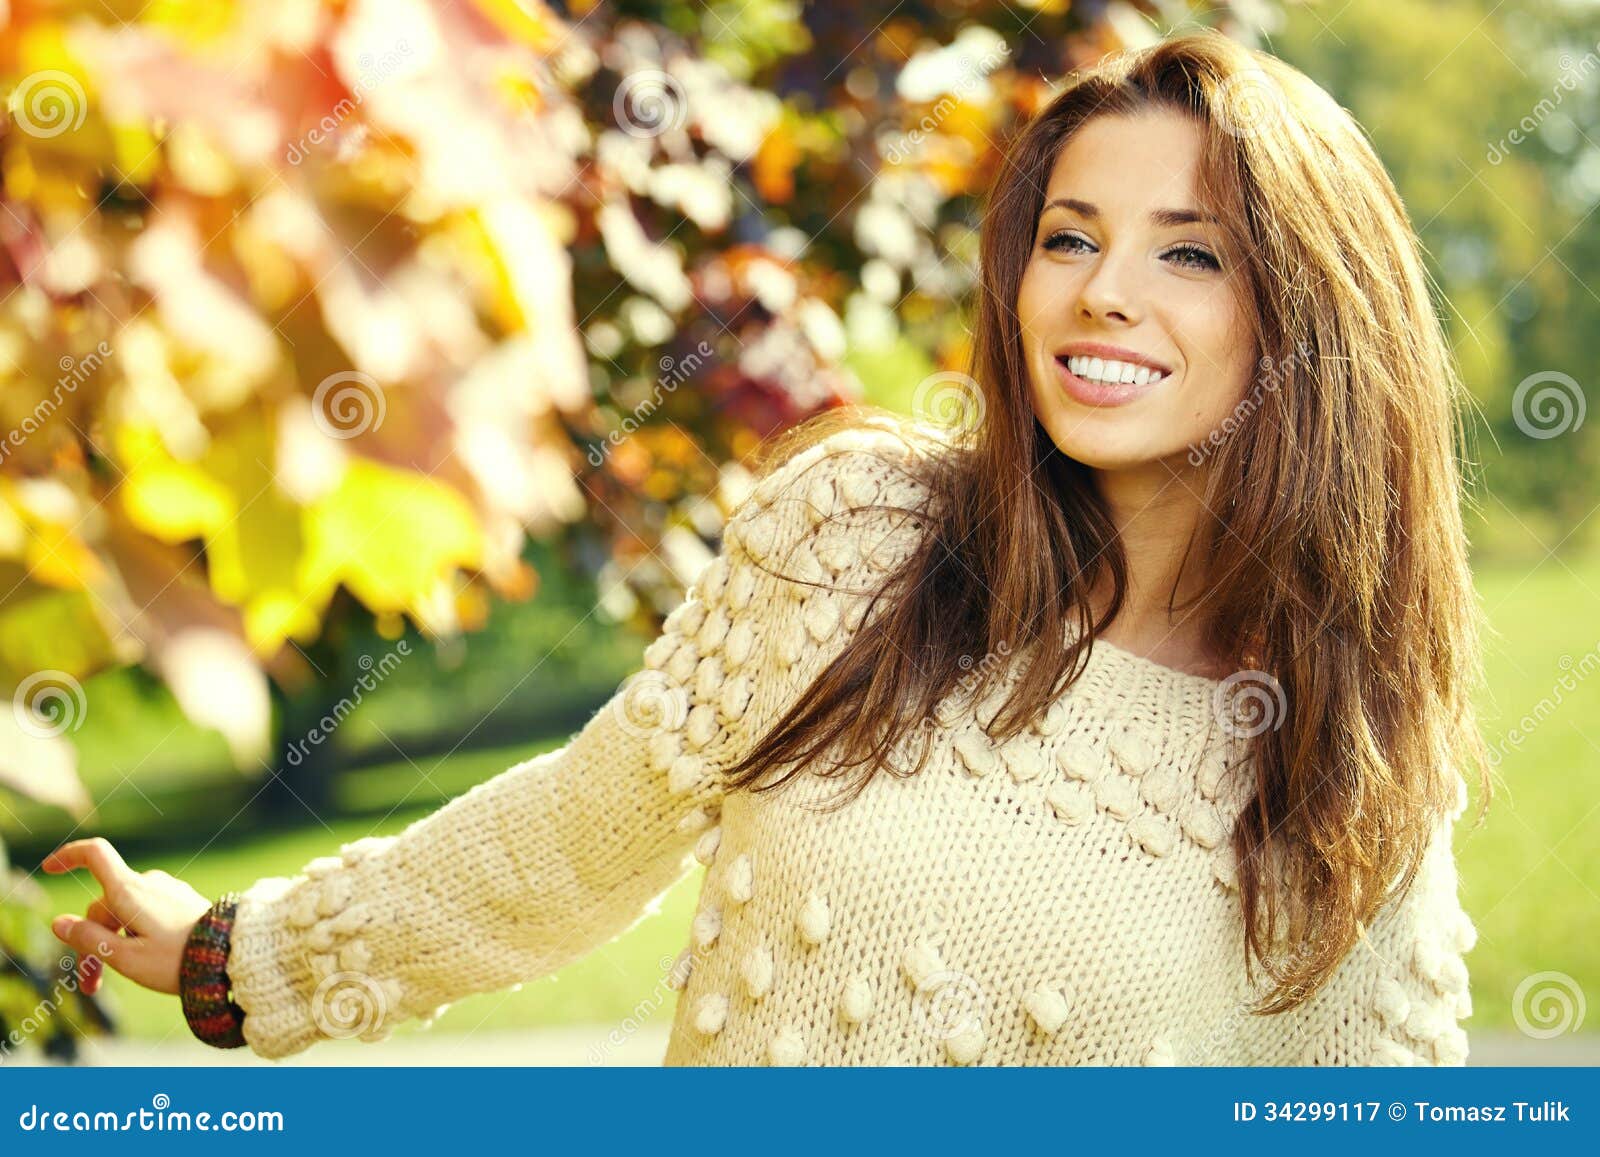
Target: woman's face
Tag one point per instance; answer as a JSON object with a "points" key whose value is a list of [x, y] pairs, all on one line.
{"points": [[1125, 282]]}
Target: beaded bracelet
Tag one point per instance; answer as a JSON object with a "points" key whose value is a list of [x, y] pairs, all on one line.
{"points": [[203, 978]]}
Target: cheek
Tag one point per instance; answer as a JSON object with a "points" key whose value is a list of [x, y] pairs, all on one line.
{"points": [[1029, 304], [1221, 342], [1044, 297]]}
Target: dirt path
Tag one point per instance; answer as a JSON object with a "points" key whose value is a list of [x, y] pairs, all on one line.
{"points": [[584, 1046]]}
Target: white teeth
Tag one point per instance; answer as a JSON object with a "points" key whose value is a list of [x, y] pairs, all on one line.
{"points": [[1114, 373]]}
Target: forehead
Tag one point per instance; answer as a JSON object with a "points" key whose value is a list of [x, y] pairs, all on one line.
{"points": [[1151, 158]]}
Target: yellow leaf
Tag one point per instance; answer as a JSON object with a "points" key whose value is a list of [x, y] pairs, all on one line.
{"points": [[253, 531], [175, 501], [13, 534], [525, 22], [278, 615], [43, 45], [391, 536], [56, 557], [197, 22], [55, 630], [255, 558], [135, 152]]}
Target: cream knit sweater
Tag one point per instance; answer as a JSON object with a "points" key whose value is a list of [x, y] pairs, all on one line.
{"points": [[1065, 898]]}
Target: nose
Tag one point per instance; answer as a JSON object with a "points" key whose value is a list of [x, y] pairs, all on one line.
{"points": [[1109, 294]]}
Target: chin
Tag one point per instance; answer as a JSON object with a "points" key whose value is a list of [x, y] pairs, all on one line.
{"points": [[1099, 444]]}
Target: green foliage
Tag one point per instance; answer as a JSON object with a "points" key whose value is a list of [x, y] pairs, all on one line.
{"points": [[1487, 115]]}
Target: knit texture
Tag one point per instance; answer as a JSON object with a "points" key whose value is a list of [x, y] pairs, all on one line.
{"points": [[1066, 897]]}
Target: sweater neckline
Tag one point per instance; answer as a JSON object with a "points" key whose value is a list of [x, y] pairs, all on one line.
{"points": [[1121, 656], [1146, 695]]}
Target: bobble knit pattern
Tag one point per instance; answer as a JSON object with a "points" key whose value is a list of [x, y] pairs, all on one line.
{"points": [[1067, 897]]}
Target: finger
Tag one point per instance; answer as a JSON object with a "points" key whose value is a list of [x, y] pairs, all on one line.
{"points": [[100, 912], [94, 853], [92, 939], [91, 968]]}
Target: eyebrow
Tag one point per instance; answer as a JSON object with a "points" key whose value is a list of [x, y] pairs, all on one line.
{"points": [[1162, 217]]}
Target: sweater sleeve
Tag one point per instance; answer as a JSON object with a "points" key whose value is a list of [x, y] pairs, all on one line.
{"points": [[565, 851], [1399, 997]]}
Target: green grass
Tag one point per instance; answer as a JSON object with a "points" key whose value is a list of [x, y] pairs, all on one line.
{"points": [[1530, 876]]}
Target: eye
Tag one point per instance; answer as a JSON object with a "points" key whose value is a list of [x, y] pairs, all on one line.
{"points": [[1062, 240], [1194, 257]]}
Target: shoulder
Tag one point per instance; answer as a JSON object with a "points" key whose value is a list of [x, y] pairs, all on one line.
{"points": [[876, 460], [857, 495], [820, 532]]}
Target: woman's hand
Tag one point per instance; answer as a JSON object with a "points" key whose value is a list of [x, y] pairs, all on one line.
{"points": [[139, 926]]}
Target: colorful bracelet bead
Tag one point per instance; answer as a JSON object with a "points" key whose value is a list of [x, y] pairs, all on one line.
{"points": [[203, 978]]}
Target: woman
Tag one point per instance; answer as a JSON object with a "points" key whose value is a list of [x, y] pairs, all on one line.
{"points": [[1149, 690]]}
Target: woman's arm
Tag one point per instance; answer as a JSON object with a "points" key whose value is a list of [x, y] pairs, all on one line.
{"points": [[561, 853], [1399, 997], [565, 851]]}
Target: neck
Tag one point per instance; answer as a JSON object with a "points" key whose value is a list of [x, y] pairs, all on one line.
{"points": [[1155, 509]]}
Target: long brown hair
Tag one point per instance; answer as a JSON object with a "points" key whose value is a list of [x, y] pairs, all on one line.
{"points": [[1332, 538]]}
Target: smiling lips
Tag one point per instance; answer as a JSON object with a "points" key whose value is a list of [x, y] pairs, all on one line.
{"points": [[1101, 375], [1107, 372], [1110, 365]]}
